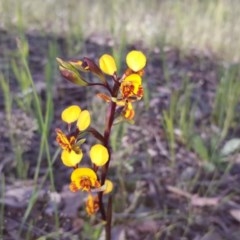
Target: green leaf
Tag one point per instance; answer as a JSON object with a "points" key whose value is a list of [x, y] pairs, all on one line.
{"points": [[200, 148], [81, 141]]}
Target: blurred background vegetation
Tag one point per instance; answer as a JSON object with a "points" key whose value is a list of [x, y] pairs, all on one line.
{"points": [[202, 24]]}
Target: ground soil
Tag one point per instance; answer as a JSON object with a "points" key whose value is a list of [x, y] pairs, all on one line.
{"points": [[162, 198]]}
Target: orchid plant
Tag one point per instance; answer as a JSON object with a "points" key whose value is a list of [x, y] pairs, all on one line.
{"points": [[119, 92]]}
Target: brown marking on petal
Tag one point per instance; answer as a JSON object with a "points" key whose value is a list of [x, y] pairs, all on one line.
{"points": [[128, 112], [73, 187], [128, 71], [140, 92], [62, 140], [92, 204], [85, 183], [140, 72], [127, 89], [72, 140], [97, 184]]}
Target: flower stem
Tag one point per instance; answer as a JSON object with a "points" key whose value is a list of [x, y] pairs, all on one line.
{"points": [[109, 123], [96, 134]]}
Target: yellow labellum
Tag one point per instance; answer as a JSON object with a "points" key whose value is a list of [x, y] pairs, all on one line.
{"points": [[133, 78], [130, 85], [84, 120], [70, 114], [107, 64], [71, 159], [99, 154], [136, 60], [83, 179], [81, 173]]}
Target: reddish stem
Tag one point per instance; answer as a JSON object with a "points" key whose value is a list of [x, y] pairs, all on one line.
{"points": [[107, 132]]}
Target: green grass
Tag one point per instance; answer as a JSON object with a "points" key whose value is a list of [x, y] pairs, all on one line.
{"points": [[206, 25], [179, 118], [31, 103]]}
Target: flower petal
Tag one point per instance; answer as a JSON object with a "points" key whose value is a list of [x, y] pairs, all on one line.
{"points": [[92, 204], [83, 179], [133, 78], [71, 114], [128, 112], [99, 154], [62, 140], [107, 64], [136, 60], [109, 186], [84, 120], [71, 159], [83, 172], [131, 86]]}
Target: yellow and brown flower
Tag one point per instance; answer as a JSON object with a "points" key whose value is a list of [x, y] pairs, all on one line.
{"points": [[71, 150], [83, 179]]}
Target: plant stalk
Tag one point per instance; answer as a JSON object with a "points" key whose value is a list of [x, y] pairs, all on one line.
{"points": [[109, 123]]}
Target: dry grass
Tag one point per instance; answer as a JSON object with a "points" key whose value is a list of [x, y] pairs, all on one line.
{"points": [[205, 25]]}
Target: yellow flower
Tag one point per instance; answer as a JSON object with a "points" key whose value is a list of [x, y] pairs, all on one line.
{"points": [[74, 113], [99, 155], [71, 159], [92, 204], [71, 154], [125, 101], [107, 64], [136, 60], [83, 179], [131, 86]]}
